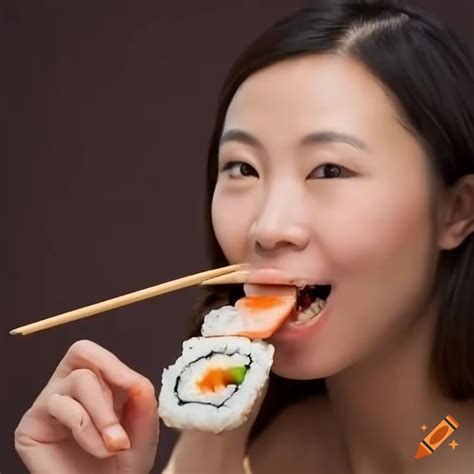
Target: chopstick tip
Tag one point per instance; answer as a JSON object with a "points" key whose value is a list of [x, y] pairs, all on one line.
{"points": [[15, 332]]}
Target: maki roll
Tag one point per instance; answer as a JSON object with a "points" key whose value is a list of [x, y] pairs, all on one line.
{"points": [[214, 383]]}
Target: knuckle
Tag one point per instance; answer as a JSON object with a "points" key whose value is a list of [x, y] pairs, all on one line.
{"points": [[82, 425], [52, 399], [147, 385], [82, 347], [22, 439], [19, 435], [80, 376], [22, 442], [84, 422]]}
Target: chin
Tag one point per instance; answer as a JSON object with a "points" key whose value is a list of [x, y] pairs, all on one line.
{"points": [[291, 367]]}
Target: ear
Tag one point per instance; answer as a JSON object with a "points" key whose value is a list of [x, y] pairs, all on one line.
{"points": [[459, 214]]}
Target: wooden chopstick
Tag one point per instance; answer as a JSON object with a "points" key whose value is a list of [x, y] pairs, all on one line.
{"points": [[123, 300], [239, 276]]}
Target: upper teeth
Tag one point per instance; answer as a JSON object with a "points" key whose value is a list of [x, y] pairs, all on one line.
{"points": [[309, 313]]}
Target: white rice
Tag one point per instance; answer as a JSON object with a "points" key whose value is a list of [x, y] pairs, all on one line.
{"points": [[224, 321], [182, 405]]}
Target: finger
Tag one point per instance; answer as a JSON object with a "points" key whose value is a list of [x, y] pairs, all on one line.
{"points": [[73, 415], [140, 420], [89, 355], [84, 386], [117, 398]]}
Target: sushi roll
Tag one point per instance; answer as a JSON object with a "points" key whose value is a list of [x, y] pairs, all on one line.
{"points": [[256, 316], [214, 383]]}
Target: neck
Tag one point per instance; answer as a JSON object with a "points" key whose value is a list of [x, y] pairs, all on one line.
{"points": [[380, 405]]}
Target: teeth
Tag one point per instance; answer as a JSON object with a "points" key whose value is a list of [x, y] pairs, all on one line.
{"points": [[309, 313]]}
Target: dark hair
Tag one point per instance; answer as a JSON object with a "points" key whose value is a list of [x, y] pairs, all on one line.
{"points": [[429, 74]]}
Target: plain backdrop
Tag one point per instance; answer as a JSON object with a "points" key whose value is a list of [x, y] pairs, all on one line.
{"points": [[109, 109]]}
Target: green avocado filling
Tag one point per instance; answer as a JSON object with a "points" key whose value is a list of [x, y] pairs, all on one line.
{"points": [[238, 374]]}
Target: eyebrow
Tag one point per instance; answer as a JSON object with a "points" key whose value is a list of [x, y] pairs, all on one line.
{"points": [[314, 138]]}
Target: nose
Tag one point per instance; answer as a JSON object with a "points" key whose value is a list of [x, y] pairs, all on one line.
{"points": [[280, 223]]}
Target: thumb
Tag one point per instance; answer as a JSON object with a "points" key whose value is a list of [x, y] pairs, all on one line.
{"points": [[140, 421]]}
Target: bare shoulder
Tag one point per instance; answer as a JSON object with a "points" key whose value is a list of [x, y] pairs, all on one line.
{"points": [[303, 439]]}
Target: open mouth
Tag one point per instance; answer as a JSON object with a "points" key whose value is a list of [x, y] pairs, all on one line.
{"points": [[310, 302]]}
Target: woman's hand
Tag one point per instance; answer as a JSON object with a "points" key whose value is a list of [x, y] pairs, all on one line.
{"points": [[95, 415]]}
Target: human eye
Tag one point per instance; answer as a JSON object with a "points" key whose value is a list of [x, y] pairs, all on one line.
{"points": [[330, 171], [238, 169]]}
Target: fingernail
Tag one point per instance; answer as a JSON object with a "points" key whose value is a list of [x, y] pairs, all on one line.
{"points": [[115, 438]]}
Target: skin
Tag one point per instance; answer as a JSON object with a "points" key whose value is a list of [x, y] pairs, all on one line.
{"points": [[95, 414], [374, 234]]}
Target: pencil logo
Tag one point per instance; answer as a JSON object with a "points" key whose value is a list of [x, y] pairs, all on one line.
{"points": [[437, 437]]}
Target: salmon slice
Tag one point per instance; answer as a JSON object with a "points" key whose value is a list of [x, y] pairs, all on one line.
{"points": [[256, 316], [264, 314]]}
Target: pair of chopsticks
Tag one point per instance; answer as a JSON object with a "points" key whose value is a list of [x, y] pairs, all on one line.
{"points": [[231, 274]]}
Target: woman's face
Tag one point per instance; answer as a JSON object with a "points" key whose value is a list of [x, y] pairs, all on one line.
{"points": [[318, 177]]}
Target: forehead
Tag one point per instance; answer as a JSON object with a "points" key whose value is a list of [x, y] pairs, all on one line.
{"points": [[309, 92]]}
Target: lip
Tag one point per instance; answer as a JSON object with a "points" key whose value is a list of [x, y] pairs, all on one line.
{"points": [[289, 331], [272, 276]]}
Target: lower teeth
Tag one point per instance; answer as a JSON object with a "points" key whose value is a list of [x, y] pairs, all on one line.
{"points": [[309, 313]]}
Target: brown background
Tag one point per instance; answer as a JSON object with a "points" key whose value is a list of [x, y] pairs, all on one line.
{"points": [[109, 110]]}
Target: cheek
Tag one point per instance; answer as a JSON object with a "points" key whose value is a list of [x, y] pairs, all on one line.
{"points": [[386, 264], [388, 273], [384, 226], [231, 220], [381, 253]]}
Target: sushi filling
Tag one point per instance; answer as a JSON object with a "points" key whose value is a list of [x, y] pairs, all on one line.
{"points": [[212, 379], [310, 302], [216, 379]]}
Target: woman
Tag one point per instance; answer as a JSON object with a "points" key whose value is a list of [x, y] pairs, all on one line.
{"points": [[343, 150]]}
